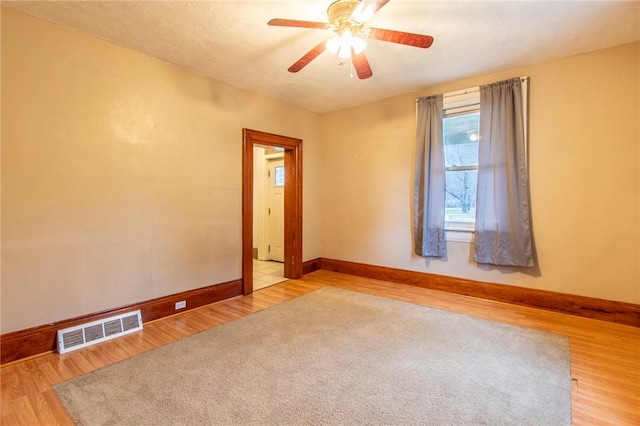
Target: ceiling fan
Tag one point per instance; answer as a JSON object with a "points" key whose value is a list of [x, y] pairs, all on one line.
{"points": [[347, 19]]}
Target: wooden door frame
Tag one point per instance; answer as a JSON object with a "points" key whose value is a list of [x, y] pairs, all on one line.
{"points": [[292, 203]]}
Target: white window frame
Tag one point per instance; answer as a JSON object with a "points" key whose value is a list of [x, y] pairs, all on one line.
{"points": [[461, 102], [466, 101]]}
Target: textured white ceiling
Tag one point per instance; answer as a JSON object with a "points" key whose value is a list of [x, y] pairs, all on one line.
{"points": [[230, 41]]}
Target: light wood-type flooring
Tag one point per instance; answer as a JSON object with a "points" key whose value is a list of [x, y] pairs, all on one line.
{"points": [[605, 358]]}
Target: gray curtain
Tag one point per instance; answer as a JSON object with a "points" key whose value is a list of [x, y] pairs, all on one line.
{"points": [[503, 231], [429, 194]]}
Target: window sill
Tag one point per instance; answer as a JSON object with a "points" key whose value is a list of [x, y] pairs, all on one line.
{"points": [[460, 235]]}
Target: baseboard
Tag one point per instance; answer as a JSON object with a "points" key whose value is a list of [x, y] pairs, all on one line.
{"points": [[588, 307], [37, 340], [310, 266], [41, 339]]}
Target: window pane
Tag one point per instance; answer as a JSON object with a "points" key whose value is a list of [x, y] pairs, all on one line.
{"points": [[279, 176], [460, 135], [460, 203]]}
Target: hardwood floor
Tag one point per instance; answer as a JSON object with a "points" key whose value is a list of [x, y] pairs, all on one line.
{"points": [[605, 357]]}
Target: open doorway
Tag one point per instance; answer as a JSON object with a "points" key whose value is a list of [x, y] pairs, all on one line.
{"points": [[268, 216], [292, 209]]}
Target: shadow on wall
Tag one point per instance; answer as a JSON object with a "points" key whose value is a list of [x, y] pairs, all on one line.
{"points": [[533, 271]]}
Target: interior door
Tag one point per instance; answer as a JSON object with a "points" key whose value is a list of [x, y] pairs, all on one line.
{"points": [[275, 210]]}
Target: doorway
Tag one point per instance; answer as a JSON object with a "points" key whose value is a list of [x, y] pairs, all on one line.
{"points": [[292, 209], [275, 209], [268, 220]]}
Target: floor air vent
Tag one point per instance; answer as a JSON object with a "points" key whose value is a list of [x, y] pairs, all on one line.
{"points": [[81, 336]]}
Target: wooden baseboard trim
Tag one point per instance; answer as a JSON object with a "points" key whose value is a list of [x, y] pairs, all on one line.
{"points": [[588, 307], [310, 266], [41, 339]]}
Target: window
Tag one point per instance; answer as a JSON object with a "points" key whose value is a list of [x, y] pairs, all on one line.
{"points": [[279, 176], [447, 204], [460, 140]]}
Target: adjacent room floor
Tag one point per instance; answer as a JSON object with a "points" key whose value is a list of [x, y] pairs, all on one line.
{"points": [[267, 273]]}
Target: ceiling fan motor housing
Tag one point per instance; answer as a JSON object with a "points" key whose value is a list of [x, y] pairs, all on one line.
{"points": [[339, 13]]}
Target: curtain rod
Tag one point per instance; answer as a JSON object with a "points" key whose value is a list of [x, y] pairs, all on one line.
{"points": [[461, 92], [467, 91]]}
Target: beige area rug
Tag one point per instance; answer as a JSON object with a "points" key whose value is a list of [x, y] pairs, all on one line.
{"points": [[335, 356]]}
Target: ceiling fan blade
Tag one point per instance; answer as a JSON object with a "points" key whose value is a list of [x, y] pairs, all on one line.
{"points": [[361, 64], [308, 57], [365, 10], [400, 37], [299, 24]]}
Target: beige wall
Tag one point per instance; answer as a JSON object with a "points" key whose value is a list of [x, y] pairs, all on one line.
{"points": [[121, 174], [585, 187]]}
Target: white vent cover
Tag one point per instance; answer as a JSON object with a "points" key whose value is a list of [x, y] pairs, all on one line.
{"points": [[80, 336]]}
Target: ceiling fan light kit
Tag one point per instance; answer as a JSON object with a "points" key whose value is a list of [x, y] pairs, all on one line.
{"points": [[343, 43], [347, 19]]}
